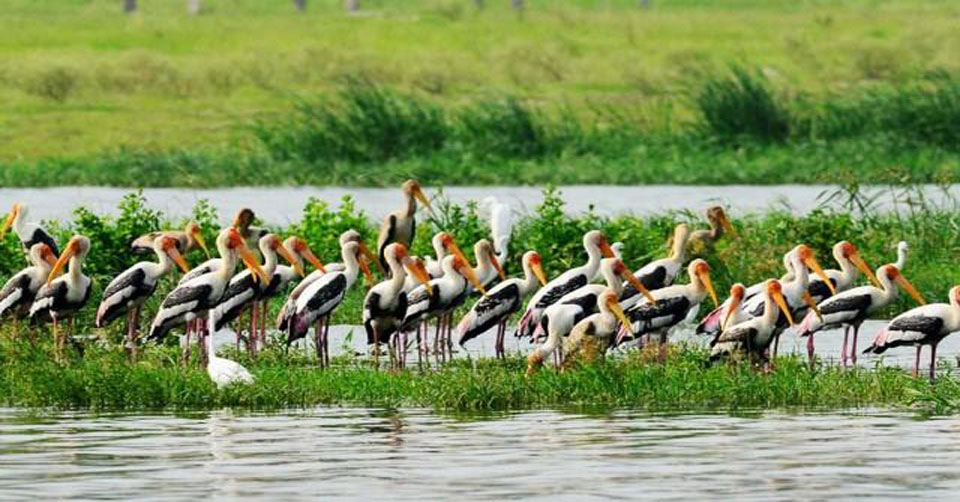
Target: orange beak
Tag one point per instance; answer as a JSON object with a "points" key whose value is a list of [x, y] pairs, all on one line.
{"points": [[496, 265], [606, 249], [419, 273], [372, 257], [72, 248], [778, 298], [250, 260], [308, 254], [178, 259], [734, 305], [292, 260], [708, 284], [632, 279], [614, 307], [538, 272], [867, 271], [365, 269], [905, 284], [468, 273], [9, 221], [812, 263]]}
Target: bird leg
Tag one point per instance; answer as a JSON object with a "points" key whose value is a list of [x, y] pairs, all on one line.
{"points": [[317, 342], [326, 341], [810, 350], [853, 352], [916, 362], [252, 335], [265, 306], [933, 363], [204, 330], [185, 350], [449, 325], [56, 341], [133, 317], [843, 349], [420, 346], [436, 342], [498, 347]]}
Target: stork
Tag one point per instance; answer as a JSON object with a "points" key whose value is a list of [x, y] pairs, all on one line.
{"points": [[62, 297], [18, 293], [28, 233], [400, 225]]}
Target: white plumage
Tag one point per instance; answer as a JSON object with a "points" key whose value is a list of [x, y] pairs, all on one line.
{"points": [[501, 225]]}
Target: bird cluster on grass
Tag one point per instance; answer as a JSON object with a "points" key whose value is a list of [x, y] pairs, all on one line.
{"points": [[570, 318]]}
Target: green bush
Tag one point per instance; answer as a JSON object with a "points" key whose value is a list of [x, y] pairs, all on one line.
{"points": [[742, 105]]}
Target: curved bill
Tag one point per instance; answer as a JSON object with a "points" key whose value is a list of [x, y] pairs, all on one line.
{"points": [[453, 248], [48, 256], [8, 222], [632, 279], [365, 269], [498, 267], [202, 243], [472, 277], [727, 225], [606, 249], [62, 262], [905, 284], [372, 257], [419, 273], [808, 299], [250, 260], [538, 271], [178, 259], [867, 271], [308, 254], [734, 306], [708, 283], [811, 262], [292, 260], [422, 198], [778, 298], [617, 311]]}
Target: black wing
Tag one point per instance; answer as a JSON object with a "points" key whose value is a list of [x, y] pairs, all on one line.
{"points": [[390, 236], [199, 293], [40, 235], [132, 277], [18, 283], [819, 290], [675, 307], [337, 286], [858, 303], [555, 294], [929, 326]]}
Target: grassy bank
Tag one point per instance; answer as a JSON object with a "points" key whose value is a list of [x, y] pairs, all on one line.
{"points": [[569, 92], [105, 379]]}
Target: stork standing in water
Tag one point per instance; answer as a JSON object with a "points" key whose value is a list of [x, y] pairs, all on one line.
{"points": [[195, 298], [448, 293], [18, 293], [28, 233], [591, 337], [754, 336], [660, 273], [401, 225], [560, 318], [443, 244], [385, 305], [188, 239], [283, 276], [127, 292], [852, 307], [597, 247], [323, 297], [703, 240], [62, 297], [925, 325], [245, 289], [851, 264], [501, 226], [501, 302], [671, 305]]}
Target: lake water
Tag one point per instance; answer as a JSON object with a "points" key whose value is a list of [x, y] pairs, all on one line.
{"points": [[282, 205], [412, 454]]}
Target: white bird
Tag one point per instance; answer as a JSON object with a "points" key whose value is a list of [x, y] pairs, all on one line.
{"points": [[284, 275], [925, 325], [195, 298], [62, 297], [597, 247], [562, 316], [660, 273], [903, 250], [127, 292], [223, 372], [245, 289], [670, 305], [28, 233], [445, 295], [323, 296], [443, 244], [501, 302], [732, 314], [18, 293], [851, 265], [385, 305], [754, 336], [401, 225], [188, 239], [501, 225], [851, 307]]}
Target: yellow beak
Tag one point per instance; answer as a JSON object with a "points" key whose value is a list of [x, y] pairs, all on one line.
{"points": [[728, 226], [708, 284], [905, 284], [538, 271], [496, 265], [734, 305], [178, 259], [8, 222], [808, 299], [617, 311], [778, 298], [372, 257], [308, 254], [365, 269], [867, 271], [292, 260], [632, 279], [202, 242], [420, 274], [812, 263], [422, 198], [62, 262], [250, 260], [468, 273]]}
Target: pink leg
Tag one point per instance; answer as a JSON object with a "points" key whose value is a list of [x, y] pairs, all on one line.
{"points": [[853, 353], [810, 350], [263, 323]]}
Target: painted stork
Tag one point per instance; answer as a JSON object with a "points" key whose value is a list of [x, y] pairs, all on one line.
{"points": [[322, 297], [591, 337], [223, 372], [127, 292], [732, 314], [443, 244], [488, 266], [246, 288], [597, 247], [703, 240], [754, 336], [62, 297], [501, 225], [501, 302], [19, 291], [385, 305], [562, 316], [448, 293], [670, 305], [188, 239], [851, 265], [28, 233], [284, 275], [926, 325], [400, 225], [660, 273], [195, 298], [251, 234], [851, 307]]}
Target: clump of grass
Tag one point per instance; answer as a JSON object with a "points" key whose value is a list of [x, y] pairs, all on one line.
{"points": [[55, 84], [742, 105]]}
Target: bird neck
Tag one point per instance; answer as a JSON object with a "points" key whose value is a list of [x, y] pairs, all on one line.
{"points": [[411, 205], [679, 250], [164, 262], [208, 339], [901, 258], [228, 263], [269, 261], [397, 273], [76, 269], [847, 269], [612, 279], [529, 282], [594, 255], [801, 276], [890, 290], [351, 267], [771, 311]]}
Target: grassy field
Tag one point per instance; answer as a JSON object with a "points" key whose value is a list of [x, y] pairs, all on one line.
{"points": [[611, 92]]}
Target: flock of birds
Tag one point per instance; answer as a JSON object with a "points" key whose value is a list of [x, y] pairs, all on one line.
{"points": [[571, 318]]}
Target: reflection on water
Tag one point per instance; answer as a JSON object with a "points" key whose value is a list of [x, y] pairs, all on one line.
{"points": [[363, 454]]}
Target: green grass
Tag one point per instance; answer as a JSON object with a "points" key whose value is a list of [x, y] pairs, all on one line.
{"points": [[105, 379], [608, 91]]}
